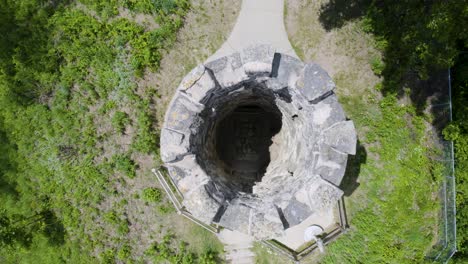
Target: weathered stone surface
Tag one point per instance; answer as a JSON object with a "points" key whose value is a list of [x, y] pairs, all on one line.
{"points": [[177, 173], [331, 164], [286, 69], [261, 134], [296, 212], [266, 223], [314, 82], [181, 113], [327, 112], [198, 85], [199, 204], [324, 196], [194, 176], [237, 217], [227, 70], [191, 78], [342, 137], [173, 144], [257, 59]]}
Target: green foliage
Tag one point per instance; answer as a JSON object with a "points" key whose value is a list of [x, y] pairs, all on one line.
{"points": [[396, 221], [63, 68], [125, 164], [152, 195], [414, 36], [124, 252], [377, 65], [146, 140], [164, 209], [166, 252], [458, 132], [119, 121]]}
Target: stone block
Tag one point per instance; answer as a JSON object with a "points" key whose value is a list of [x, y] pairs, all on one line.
{"points": [[201, 205], [237, 217], [227, 70], [341, 137], [327, 112], [181, 113], [173, 145], [257, 59], [296, 212], [197, 84], [314, 82], [331, 164], [286, 69]]}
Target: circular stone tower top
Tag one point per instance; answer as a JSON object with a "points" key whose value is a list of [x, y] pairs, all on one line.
{"points": [[257, 142]]}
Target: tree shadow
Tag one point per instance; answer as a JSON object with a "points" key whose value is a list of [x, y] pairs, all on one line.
{"points": [[6, 164], [406, 71], [353, 168], [54, 229], [336, 13]]}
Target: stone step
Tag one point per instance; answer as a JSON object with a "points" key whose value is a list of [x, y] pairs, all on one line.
{"points": [[228, 248], [243, 261], [239, 254]]}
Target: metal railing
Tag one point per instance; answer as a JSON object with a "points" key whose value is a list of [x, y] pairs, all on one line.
{"points": [[176, 198], [446, 245], [330, 235]]}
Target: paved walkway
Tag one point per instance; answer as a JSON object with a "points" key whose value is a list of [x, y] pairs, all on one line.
{"points": [[259, 22], [237, 247]]}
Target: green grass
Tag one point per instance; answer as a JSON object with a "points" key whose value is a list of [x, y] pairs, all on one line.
{"points": [[395, 216]]}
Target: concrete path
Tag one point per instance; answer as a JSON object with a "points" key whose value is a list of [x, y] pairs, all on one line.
{"points": [[237, 247], [259, 22]]}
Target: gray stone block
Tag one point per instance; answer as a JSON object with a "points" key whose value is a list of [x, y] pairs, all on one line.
{"points": [[237, 217], [327, 112], [342, 137], [296, 212], [314, 82], [331, 164], [173, 144], [181, 113], [286, 69], [201, 88], [200, 205], [257, 59], [227, 70], [177, 173]]}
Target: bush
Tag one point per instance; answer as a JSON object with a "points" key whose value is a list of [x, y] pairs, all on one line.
{"points": [[119, 121], [152, 195], [125, 164], [124, 252]]}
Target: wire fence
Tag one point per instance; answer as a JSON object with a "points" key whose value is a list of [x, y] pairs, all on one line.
{"points": [[441, 110]]}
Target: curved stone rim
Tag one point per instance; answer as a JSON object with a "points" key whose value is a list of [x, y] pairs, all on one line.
{"points": [[313, 87]]}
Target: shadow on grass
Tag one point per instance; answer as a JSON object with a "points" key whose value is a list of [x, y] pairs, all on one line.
{"points": [[336, 13], [353, 168], [54, 229], [400, 31]]}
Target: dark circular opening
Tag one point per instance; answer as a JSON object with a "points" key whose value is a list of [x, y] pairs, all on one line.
{"points": [[243, 138]]}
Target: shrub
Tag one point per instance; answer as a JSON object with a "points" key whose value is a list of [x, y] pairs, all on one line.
{"points": [[124, 252], [153, 195], [125, 164], [119, 121]]}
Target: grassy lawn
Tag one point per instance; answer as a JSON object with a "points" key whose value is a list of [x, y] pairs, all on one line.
{"points": [[83, 88]]}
